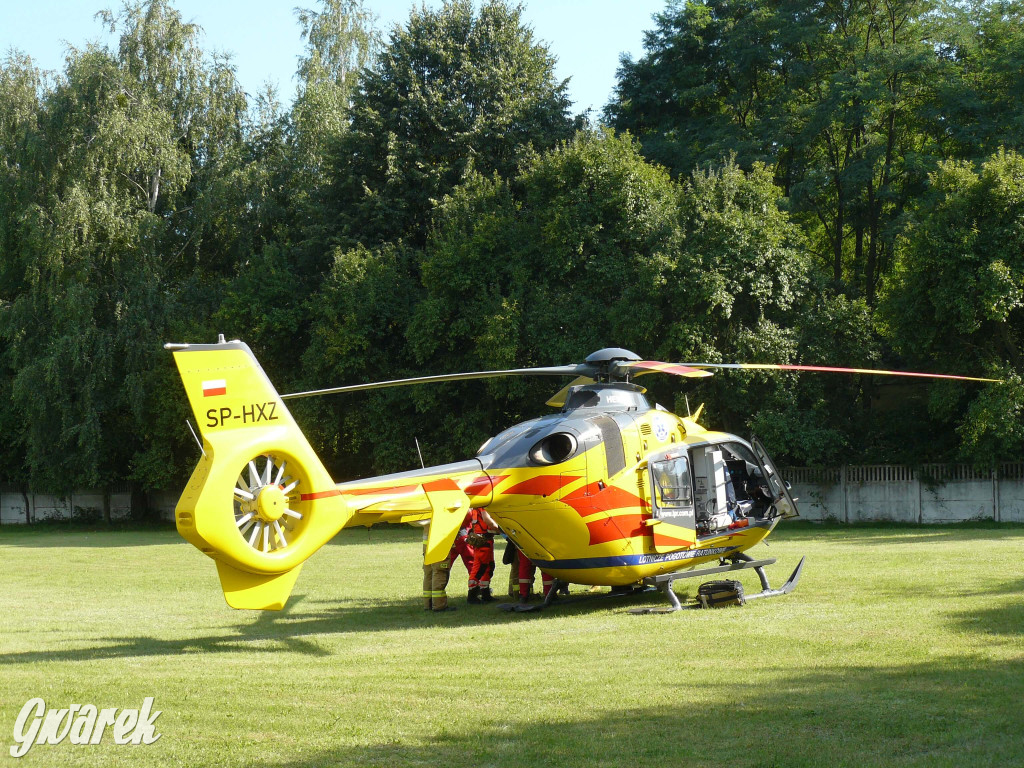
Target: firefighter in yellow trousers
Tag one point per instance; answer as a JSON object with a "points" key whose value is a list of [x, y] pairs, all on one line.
{"points": [[435, 580]]}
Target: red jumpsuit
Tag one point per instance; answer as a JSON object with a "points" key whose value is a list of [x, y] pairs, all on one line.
{"points": [[462, 549], [483, 553], [526, 574]]}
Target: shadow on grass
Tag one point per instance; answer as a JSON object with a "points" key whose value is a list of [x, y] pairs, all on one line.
{"points": [[1002, 620], [944, 713], [291, 628]]}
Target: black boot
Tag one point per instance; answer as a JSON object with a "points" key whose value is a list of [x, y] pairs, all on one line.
{"points": [[474, 596], [485, 595]]}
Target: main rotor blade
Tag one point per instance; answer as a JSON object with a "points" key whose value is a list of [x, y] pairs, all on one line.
{"points": [[830, 369], [641, 367], [558, 370]]}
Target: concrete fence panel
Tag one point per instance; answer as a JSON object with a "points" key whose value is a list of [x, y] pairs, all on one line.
{"points": [[933, 493], [86, 504], [1011, 492]]}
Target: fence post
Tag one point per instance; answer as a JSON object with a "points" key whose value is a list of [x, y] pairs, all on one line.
{"points": [[846, 500], [916, 474], [995, 495]]}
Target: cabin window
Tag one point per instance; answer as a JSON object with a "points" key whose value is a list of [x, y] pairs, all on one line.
{"points": [[672, 483]]}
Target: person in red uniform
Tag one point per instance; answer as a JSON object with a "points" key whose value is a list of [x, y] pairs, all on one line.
{"points": [[526, 575], [462, 548], [481, 537]]}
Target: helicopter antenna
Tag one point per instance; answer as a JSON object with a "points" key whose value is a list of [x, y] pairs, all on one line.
{"points": [[189, 423], [422, 464]]}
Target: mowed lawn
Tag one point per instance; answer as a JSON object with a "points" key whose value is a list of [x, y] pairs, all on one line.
{"points": [[902, 646]]}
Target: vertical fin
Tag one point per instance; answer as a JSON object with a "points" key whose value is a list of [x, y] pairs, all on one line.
{"points": [[243, 423], [449, 507]]}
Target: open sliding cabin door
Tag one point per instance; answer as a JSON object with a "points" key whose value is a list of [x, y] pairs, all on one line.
{"points": [[672, 502]]}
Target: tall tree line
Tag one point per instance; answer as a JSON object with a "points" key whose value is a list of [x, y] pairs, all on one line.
{"points": [[829, 183], [865, 110]]}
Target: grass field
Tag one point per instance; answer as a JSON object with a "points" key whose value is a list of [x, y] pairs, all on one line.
{"points": [[902, 646]]}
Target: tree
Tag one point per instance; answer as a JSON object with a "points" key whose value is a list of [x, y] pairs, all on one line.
{"points": [[591, 246], [120, 245], [972, 104], [341, 41], [827, 94], [452, 91], [360, 317], [21, 84], [707, 83], [956, 300], [285, 176]]}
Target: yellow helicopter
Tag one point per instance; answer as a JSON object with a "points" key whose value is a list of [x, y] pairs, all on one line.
{"points": [[609, 490]]}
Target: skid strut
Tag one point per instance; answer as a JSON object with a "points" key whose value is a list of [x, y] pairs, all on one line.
{"points": [[740, 562], [663, 582]]}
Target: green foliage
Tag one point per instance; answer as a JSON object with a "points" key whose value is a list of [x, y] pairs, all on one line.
{"points": [[453, 91], [849, 104], [708, 82], [20, 87], [957, 298], [427, 204], [590, 246], [973, 103], [583, 240], [283, 252], [359, 319], [124, 154], [340, 42], [573, 254]]}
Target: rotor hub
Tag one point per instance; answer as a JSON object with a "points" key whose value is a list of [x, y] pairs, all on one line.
{"points": [[605, 359], [271, 503]]}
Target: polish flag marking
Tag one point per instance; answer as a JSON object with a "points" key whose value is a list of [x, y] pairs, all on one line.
{"points": [[215, 387]]}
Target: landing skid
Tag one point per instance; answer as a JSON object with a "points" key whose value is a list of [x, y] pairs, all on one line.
{"points": [[663, 583], [740, 562]]}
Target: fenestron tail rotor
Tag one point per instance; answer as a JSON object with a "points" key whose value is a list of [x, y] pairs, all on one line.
{"points": [[268, 504]]}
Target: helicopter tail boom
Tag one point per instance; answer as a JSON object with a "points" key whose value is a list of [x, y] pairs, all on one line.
{"points": [[259, 502]]}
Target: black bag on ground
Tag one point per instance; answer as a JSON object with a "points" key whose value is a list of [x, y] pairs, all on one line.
{"points": [[716, 594]]}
